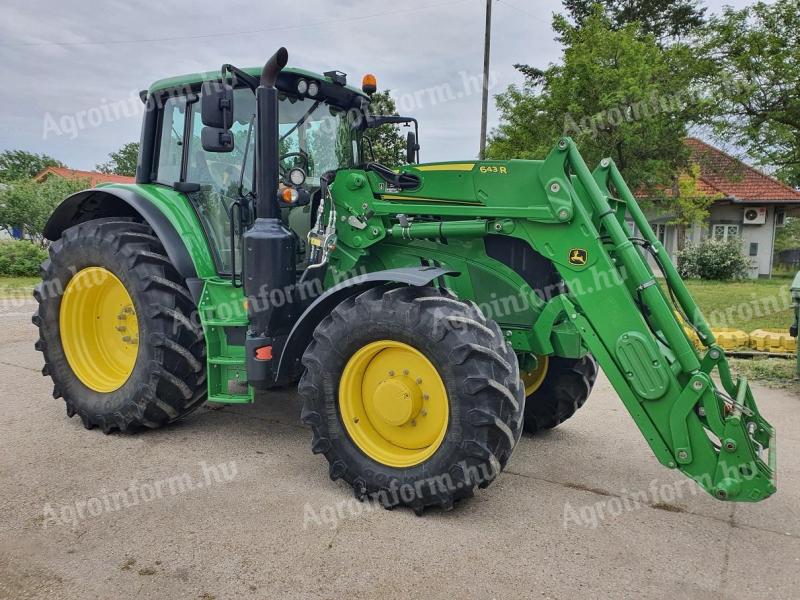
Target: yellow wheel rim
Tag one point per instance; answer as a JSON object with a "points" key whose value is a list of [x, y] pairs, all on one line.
{"points": [[532, 378], [393, 403], [99, 329]]}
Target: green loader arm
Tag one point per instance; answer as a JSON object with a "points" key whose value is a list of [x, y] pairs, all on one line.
{"points": [[714, 434], [689, 408]]}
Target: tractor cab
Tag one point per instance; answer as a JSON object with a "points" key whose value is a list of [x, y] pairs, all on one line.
{"points": [[318, 131]]}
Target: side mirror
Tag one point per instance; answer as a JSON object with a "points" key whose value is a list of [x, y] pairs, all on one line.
{"points": [[412, 147], [216, 109], [216, 139]]}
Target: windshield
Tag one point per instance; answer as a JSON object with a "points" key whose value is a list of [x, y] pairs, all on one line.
{"points": [[313, 135], [320, 133]]}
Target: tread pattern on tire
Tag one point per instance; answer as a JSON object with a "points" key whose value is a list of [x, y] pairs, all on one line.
{"points": [[565, 389], [480, 372], [169, 379]]}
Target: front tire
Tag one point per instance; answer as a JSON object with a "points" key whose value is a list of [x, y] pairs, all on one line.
{"points": [[399, 345], [560, 390], [116, 328]]}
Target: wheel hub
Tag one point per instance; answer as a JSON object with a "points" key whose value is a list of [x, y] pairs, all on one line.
{"points": [[397, 400]]}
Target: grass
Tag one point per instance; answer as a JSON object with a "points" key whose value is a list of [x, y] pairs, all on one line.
{"points": [[773, 372], [746, 305], [17, 287]]}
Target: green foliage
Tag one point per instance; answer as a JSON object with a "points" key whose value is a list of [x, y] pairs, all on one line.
{"points": [[123, 161], [756, 58], [670, 19], [28, 204], [20, 258], [788, 236], [387, 146], [691, 205], [713, 259], [616, 92], [20, 164]]}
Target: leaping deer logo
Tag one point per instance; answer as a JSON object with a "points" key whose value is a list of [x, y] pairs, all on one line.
{"points": [[578, 256]]}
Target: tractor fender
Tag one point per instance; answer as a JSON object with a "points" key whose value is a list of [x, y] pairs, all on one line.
{"points": [[115, 201], [300, 335]]}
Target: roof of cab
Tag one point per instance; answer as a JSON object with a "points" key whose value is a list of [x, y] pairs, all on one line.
{"points": [[190, 78]]}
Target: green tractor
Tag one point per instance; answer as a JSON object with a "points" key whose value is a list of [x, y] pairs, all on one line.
{"points": [[430, 313]]}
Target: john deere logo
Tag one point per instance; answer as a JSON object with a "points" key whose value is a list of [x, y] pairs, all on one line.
{"points": [[578, 256]]}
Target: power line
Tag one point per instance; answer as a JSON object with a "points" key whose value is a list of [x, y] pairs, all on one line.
{"points": [[236, 33], [518, 9]]}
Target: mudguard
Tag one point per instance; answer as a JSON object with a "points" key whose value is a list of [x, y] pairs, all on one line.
{"points": [[300, 335], [113, 201]]}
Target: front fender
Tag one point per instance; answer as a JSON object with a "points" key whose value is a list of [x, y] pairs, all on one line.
{"points": [[166, 211], [300, 335]]}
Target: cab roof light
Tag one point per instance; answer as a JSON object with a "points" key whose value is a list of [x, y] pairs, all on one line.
{"points": [[369, 84]]}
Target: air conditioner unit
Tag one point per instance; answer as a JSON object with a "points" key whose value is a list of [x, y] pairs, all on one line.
{"points": [[755, 216]]}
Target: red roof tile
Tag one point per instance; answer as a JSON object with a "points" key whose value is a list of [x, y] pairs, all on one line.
{"points": [[93, 177], [722, 173]]}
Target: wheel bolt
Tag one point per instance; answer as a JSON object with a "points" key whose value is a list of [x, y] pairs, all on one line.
{"points": [[419, 380], [391, 373], [405, 371]]}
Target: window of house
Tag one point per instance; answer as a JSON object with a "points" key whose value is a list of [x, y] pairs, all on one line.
{"points": [[660, 229], [723, 232], [780, 218]]}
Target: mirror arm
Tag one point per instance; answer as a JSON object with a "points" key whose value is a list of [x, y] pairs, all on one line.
{"points": [[237, 73]]}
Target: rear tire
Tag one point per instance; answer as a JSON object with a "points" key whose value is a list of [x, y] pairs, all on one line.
{"points": [[477, 367], [565, 388], [168, 377]]}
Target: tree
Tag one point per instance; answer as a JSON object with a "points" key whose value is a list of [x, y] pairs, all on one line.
{"points": [[664, 20], [385, 144], [28, 204], [123, 161], [616, 92], [756, 56], [20, 164], [788, 236]]}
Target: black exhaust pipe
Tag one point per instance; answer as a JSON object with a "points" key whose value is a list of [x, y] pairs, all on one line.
{"points": [[269, 247], [267, 138]]}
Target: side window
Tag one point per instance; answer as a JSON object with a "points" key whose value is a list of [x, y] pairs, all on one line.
{"points": [[170, 149], [219, 174], [223, 170]]}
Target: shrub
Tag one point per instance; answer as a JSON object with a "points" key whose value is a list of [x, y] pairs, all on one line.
{"points": [[20, 258], [713, 259]]}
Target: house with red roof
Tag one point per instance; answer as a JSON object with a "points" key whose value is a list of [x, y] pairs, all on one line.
{"points": [[750, 207], [93, 177]]}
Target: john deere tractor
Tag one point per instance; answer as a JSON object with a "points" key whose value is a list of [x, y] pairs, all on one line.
{"points": [[430, 313]]}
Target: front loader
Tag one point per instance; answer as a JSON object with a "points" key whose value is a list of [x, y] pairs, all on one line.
{"points": [[430, 313]]}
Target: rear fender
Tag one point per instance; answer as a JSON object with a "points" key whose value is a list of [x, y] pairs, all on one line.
{"points": [[167, 212]]}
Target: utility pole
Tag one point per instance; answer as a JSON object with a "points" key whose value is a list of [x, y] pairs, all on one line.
{"points": [[485, 106]]}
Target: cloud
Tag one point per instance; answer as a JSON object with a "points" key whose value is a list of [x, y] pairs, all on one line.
{"points": [[64, 57]]}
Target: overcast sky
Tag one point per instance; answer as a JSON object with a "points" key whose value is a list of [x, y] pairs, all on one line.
{"points": [[71, 68]]}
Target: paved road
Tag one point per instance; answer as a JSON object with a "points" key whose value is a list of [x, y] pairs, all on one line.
{"points": [[231, 503]]}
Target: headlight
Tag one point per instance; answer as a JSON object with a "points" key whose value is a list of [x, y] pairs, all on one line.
{"points": [[297, 177], [313, 89], [302, 87]]}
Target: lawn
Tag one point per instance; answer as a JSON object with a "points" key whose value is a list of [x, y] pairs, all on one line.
{"points": [[17, 287], [746, 305]]}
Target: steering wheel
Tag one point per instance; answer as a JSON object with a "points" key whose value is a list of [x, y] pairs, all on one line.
{"points": [[284, 170]]}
